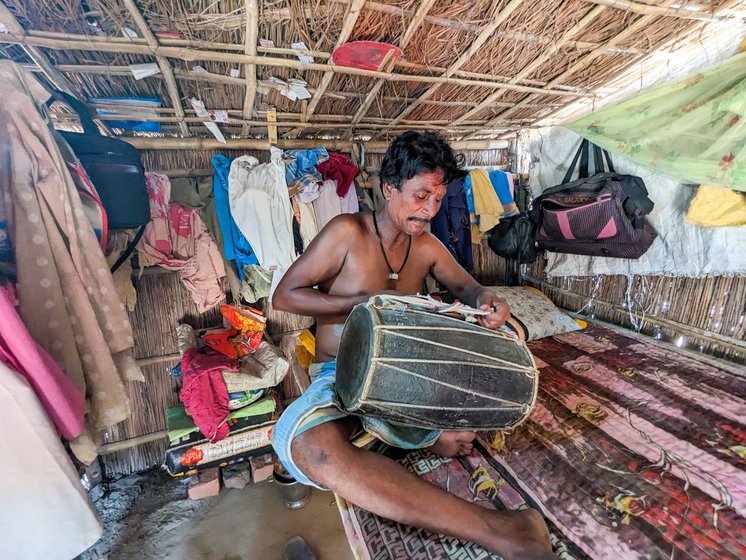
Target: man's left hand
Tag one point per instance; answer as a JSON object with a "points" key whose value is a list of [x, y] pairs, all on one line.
{"points": [[488, 300]]}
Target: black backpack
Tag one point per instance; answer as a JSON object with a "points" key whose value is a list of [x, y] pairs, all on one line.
{"points": [[115, 169]]}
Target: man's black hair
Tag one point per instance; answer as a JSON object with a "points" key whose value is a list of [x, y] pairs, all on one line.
{"points": [[413, 153]]}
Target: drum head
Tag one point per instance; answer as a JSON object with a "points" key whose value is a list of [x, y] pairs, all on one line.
{"points": [[356, 348]]}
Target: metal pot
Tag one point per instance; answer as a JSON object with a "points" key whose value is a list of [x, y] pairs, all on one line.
{"points": [[294, 494]]}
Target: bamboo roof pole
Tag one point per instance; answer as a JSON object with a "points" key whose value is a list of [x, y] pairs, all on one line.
{"points": [[86, 43], [484, 35], [119, 70], [582, 63], [545, 56], [55, 77], [163, 63], [199, 44], [353, 12], [251, 37], [198, 143], [641, 23], [414, 25], [658, 11]]}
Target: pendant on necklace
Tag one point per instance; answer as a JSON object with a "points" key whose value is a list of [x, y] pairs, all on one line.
{"points": [[393, 276]]}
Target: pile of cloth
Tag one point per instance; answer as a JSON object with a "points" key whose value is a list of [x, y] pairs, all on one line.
{"points": [[226, 369]]}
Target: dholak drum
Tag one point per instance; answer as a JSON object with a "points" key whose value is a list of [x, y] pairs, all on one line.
{"points": [[433, 371]]}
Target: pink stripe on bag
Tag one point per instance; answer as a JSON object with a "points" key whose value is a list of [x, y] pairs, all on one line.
{"points": [[609, 229], [564, 224]]}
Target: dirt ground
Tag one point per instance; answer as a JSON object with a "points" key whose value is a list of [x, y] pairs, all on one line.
{"points": [[149, 516]]}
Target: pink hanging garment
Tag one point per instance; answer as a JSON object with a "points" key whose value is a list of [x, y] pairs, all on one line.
{"points": [[61, 399]]}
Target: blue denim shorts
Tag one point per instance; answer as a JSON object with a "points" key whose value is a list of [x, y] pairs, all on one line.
{"points": [[319, 404]]}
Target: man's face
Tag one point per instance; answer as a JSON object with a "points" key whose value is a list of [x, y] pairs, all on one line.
{"points": [[417, 202]]}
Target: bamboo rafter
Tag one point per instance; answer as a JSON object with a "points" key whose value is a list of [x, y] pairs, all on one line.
{"points": [[544, 57], [251, 35], [333, 144], [118, 70], [55, 77], [484, 35], [658, 11], [353, 12], [584, 61], [412, 28], [215, 46], [86, 43], [163, 63]]}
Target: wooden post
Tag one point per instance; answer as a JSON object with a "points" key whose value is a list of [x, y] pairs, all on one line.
{"points": [[251, 34]]}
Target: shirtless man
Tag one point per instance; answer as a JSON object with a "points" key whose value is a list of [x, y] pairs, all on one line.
{"points": [[354, 257]]}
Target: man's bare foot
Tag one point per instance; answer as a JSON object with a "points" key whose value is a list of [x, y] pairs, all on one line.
{"points": [[519, 535], [453, 444]]}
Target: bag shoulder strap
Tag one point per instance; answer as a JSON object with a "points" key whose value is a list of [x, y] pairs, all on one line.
{"points": [[128, 250], [582, 155], [81, 109]]}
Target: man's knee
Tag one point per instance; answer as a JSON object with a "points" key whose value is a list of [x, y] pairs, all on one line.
{"points": [[320, 448]]}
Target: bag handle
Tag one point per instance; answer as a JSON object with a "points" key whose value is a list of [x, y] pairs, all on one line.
{"points": [[599, 158], [80, 108], [582, 155]]}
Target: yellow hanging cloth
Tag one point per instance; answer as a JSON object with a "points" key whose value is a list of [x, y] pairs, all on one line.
{"points": [[717, 207], [486, 203]]}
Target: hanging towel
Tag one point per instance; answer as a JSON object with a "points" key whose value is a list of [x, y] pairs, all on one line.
{"points": [[487, 205], [62, 401], [339, 168], [303, 162], [327, 205], [260, 205], [501, 182]]}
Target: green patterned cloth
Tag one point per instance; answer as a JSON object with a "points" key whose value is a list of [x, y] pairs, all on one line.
{"points": [[693, 129]]}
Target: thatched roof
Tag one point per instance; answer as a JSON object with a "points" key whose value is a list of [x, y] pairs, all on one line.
{"points": [[478, 69]]}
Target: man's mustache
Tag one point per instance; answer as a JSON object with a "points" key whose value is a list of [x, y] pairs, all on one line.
{"points": [[424, 221]]}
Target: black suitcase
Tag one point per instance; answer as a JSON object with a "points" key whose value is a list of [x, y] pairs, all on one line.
{"points": [[114, 168]]}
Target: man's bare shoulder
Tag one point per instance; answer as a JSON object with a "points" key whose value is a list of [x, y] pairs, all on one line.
{"points": [[348, 226]]}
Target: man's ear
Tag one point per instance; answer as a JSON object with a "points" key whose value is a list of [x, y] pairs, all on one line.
{"points": [[388, 190]]}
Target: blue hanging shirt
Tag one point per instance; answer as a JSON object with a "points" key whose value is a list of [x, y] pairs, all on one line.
{"points": [[236, 247]]}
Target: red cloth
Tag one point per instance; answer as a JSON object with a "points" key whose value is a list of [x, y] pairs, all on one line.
{"points": [[204, 393], [339, 168]]}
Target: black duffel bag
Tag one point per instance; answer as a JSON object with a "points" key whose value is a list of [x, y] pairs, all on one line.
{"points": [[513, 238], [114, 168], [603, 215]]}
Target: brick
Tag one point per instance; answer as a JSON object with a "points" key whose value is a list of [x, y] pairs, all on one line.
{"points": [[237, 476], [207, 485], [262, 467]]}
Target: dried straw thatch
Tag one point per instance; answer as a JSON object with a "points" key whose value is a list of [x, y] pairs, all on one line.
{"points": [[482, 68]]}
